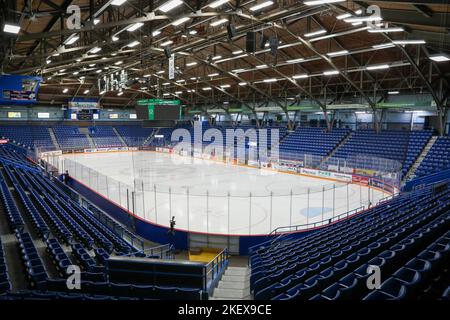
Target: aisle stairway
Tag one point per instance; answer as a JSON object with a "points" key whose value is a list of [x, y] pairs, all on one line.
{"points": [[419, 160], [119, 136], [234, 285], [85, 131], [53, 137]]}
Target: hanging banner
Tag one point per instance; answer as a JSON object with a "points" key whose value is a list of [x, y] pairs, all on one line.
{"points": [[172, 67]]}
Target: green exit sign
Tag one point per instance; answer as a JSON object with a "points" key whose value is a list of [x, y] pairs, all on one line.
{"points": [[147, 102]]}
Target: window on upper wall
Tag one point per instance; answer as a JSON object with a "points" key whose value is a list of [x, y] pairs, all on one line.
{"points": [[133, 116], [13, 114], [113, 116], [43, 115]]}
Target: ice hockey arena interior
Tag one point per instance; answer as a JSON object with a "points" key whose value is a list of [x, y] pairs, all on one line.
{"points": [[245, 150]]}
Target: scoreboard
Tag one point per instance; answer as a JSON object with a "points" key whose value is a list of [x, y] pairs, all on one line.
{"points": [[158, 109]]}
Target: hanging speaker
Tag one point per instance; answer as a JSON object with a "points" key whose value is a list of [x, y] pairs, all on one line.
{"points": [[167, 52], [273, 44], [231, 31], [251, 42]]}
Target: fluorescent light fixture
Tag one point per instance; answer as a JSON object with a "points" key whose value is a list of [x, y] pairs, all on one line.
{"points": [[383, 46], [120, 93], [295, 60], [262, 66], [213, 75], [96, 21], [380, 30], [180, 21], [118, 63], [238, 70], [11, 28], [99, 70], [192, 32], [318, 2], [95, 50], [242, 83], [56, 54], [439, 57], [156, 33], [193, 78], [315, 33], [118, 2], [363, 19], [393, 92], [178, 92], [343, 16], [300, 76], [166, 83], [357, 23], [359, 11], [180, 81], [135, 26], [92, 65], [206, 88], [75, 73], [72, 39], [218, 22], [271, 80], [216, 58], [190, 64], [62, 70], [115, 38], [166, 7], [65, 90], [404, 42], [86, 91], [330, 73], [261, 5], [337, 53], [48, 61], [78, 60], [166, 94], [237, 52], [166, 43], [378, 67], [224, 86], [160, 72], [217, 3], [147, 75], [133, 44]]}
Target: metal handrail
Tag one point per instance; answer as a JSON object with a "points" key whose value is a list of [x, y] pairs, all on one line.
{"points": [[215, 268]]}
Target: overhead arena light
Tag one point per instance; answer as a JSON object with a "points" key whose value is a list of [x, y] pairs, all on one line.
{"points": [[178, 92], [216, 58], [383, 46], [120, 93], [118, 63], [315, 33], [318, 2], [295, 60], [156, 33], [166, 43], [86, 91], [75, 73], [180, 81], [261, 5], [166, 94], [439, 57], [190, 64], [405, 42], [380, 30], [192, 32], [133, 44], [96, 21], [65, 90], [147, 75], [160, 72], [363, 19], [242, 83], [217, 3], [118, 2], [262, 66], [180, 21], [115, 38], [330, 73], [378, 67], [72, 39], [393, 92], [344, 16], [193, 78], [98, 71], [206, 88], [237, 52], [213, 75], [271, 80], [170, 5], [238, 70], [224, 86], [300, 76], [337, 53], [135, 26], [95, 50], [218, 22], [11, 28], [48, 61]]}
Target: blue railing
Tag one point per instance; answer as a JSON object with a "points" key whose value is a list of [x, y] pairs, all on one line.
{"points": [[426, 180], [215, 270]]}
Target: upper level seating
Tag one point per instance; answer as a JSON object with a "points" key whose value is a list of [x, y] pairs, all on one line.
{"points": [[332, 263], [69, 137], [134, 136], [437, 159], [28, 136], [311, 141], [104, 137]]}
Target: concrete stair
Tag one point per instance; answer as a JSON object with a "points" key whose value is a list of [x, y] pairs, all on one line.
{"points": [[346, 138], [119, 137], [85, 131], [234, 285], [410, 174], [150, 138], [53, 137]]}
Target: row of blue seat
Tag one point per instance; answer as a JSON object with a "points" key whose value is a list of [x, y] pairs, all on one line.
{"points": [[5, 284]]}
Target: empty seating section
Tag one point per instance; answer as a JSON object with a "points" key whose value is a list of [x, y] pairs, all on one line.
{"points": [[5, 284], [28, 136], [417, 142], [35, 270], [437, 159], [69, 137], [104, 137], [310, 141], [333, 263], [134, 136]]}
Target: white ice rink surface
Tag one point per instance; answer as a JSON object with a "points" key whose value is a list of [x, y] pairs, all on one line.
{"points": [[214, 197]]}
